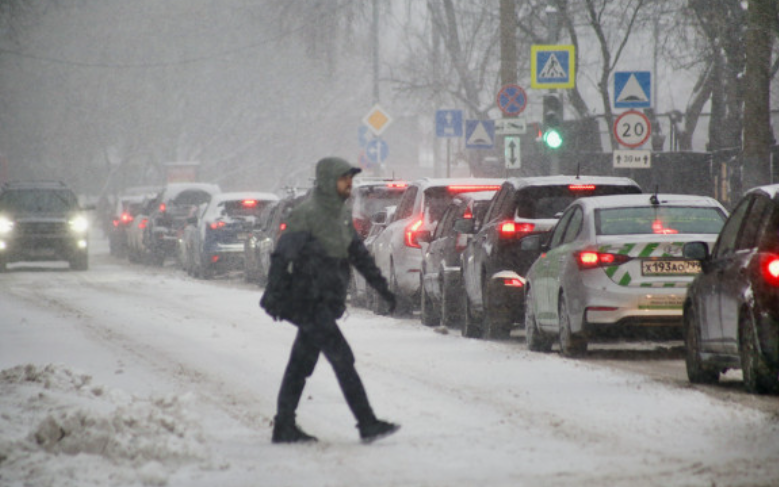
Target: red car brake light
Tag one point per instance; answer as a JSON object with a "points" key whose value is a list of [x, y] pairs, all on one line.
{"points": [[471, 188], [769, 268], [143, 223], [163, 207], [249, 203], [510, 229], [126, 218], [411, 234], [468, 214], [216, 225], [658, 227], [282, 226], [397, 185], [589, 259], [582, 187]]}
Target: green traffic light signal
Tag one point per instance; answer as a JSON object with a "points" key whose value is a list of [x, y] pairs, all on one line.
{"points": [[553, 138]]}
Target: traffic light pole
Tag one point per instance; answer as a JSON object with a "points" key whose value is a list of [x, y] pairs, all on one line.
{"points": [[553, 30]]}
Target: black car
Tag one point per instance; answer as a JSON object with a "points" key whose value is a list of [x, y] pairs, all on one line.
{"points": [[172, 206], [442, 284], [260, 243], [731, 314], [495, 264], [42, 221]]}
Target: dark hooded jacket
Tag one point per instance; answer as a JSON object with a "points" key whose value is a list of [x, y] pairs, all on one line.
{"points": [[310, 266]]}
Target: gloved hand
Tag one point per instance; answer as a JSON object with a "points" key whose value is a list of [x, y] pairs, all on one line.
{"points": [[271, 304], [391, 300]]}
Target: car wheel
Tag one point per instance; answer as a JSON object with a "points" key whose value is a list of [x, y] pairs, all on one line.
{"points": [[697, 373], [452, 306], [759, 376], [536, 341], [571, 345], [497, 324], [472, 327], [430, 316]]}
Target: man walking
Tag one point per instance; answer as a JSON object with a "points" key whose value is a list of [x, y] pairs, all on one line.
{"points": [[307, 284]]}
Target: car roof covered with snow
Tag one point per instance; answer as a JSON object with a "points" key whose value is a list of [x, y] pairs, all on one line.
{"points": [[645, 199]]}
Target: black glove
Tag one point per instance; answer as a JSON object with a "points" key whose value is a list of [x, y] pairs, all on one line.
{"points": [[392, 302], [271, 304]]}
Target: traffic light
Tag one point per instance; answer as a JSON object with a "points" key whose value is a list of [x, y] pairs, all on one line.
{"points": [[553, 118]]}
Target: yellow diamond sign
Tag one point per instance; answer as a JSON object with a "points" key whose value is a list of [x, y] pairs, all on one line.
{"points": [[377, 120]]}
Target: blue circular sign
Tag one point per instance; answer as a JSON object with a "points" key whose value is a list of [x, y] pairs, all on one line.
{"points": [[512, 100]]}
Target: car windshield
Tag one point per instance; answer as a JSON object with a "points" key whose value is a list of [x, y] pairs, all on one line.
{"points": [[38, 200], [658, 220], [540, 202]]}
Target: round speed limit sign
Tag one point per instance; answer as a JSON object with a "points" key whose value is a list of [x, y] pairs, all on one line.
{"points": [[632, 128]]}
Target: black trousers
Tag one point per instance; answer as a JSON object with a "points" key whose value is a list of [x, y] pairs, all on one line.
{"points": [[322, 336]]}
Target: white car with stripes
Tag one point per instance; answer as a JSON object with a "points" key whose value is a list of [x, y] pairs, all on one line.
{"points": [[613, 267]]}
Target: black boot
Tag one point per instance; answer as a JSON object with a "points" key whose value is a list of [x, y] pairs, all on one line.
{"points": [[376, 430], [286, 431]]}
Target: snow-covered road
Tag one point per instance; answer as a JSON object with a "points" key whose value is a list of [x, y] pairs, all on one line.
{"points": [[126, 375]]}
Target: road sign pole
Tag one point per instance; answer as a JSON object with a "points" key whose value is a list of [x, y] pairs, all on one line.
{"points": [[448, 156]]}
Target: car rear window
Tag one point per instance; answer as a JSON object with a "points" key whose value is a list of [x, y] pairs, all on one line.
{"points": [[372, 199], [38, 200], [247, 207], [545, 202], [658, 220]]}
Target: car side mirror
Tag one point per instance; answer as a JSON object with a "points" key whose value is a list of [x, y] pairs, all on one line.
{"points": [[464, 225], [696, 251], [379, 218]]}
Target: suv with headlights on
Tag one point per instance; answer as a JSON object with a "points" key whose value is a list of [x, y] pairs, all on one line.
{"points": [[42, 221]]}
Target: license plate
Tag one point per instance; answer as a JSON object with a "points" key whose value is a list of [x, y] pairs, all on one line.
{"points": [[670, 267]]}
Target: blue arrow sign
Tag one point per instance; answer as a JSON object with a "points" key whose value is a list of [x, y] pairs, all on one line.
{"points": [[449, 123], [633, 89], [479, 134], [377, 151]]}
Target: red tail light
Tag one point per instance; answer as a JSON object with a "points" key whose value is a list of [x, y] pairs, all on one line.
{"points": [[397, 185], [216, 225], [143, 223], [249, 203], [513, 283], [214, 259], [115, 222], [470, 188], [512, 229], [126, 218], [589, 259], [468, 214], [769, 267], [411, 234], [282, 226], [163, 207]]}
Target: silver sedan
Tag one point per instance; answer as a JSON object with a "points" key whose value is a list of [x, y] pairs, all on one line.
{"points": [[613, 266]]}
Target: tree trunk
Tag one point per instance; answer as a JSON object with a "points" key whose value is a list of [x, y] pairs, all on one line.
{"points": [[757, 124]]}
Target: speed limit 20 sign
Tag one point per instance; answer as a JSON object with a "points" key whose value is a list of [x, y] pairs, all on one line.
{"points": [[632, 128]]}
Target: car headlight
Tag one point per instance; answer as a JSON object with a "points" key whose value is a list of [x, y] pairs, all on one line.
{"points": [[6, 225], [79, 224]]}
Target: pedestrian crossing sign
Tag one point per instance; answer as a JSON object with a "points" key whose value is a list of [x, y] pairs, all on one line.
{"points": [[553, 66]]}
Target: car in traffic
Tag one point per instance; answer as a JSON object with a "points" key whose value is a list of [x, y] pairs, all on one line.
{"points": [[731, 314], [128, 205], [165, 225], [214, 239], [42, 221], [442, 284], [371, 195], [261, 241], [613, 268], [397, 250], [137, 252], [495, 263]]}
